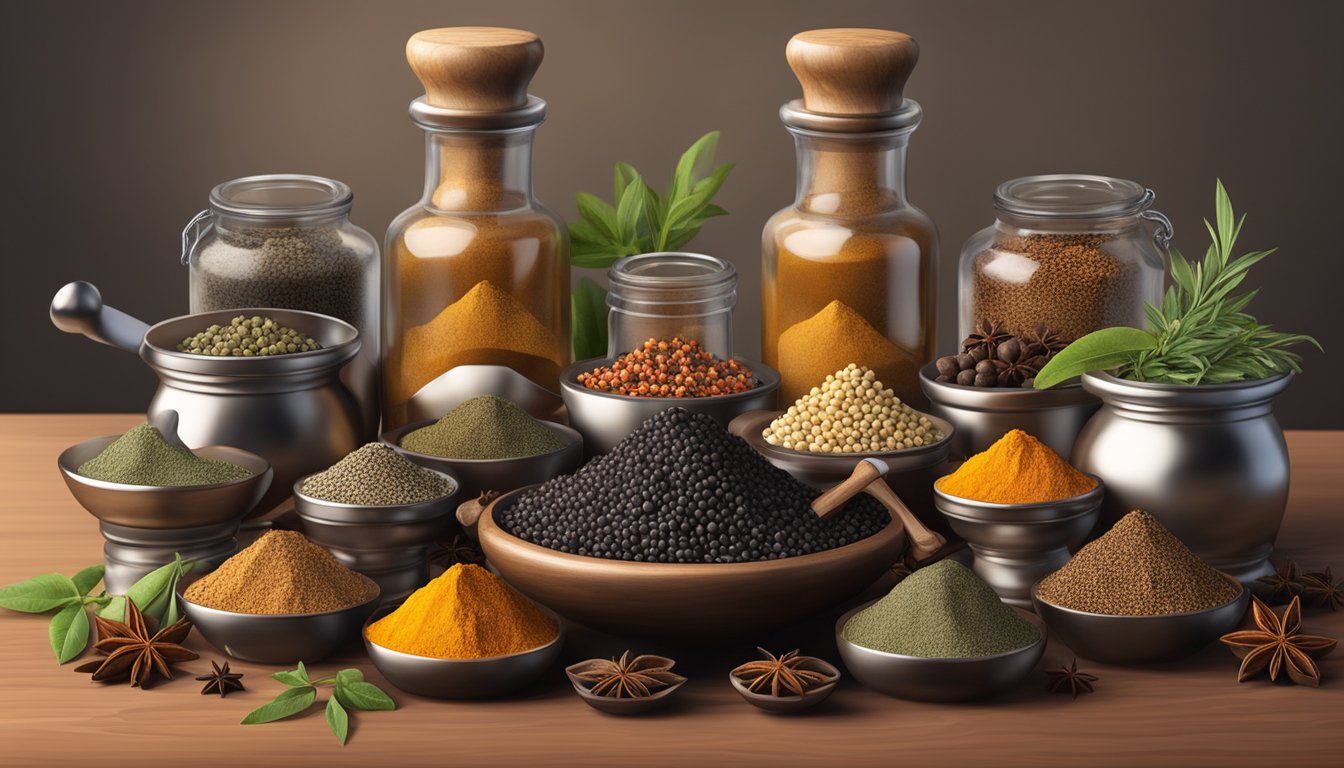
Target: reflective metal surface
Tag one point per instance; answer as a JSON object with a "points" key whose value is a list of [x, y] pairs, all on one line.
{"points": [[462, 678], [1141, 639], [1208, 461], [606, 419], [915, 677], [1016, 545], [476, 475], [277, 639], [130, 553], [463, 382], [982, 415]]}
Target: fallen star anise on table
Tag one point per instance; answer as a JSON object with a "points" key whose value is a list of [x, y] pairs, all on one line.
{"points": [[1284, 583], [221, 680], [1322, 590], [1277, 643], [131, 651], [1070, 680], [785, 675], [626, 678]]}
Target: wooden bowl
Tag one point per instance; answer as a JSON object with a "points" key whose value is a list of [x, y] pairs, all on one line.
{"points": [[686, 601]]}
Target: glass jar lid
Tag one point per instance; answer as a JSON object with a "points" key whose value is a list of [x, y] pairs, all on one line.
{"points": [[282, 196], [674, 272], [1067, 195]]}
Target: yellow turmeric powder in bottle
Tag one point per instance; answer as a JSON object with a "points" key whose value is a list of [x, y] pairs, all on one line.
{"points": [[1017, 469], [466, 613]]}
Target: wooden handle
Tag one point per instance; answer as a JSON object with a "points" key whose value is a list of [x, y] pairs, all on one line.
{"points": [[483, 69], [852, 71], [827, 503], [923, 542]]}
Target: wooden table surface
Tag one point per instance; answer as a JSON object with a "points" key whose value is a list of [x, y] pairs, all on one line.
{"points": [[1187, 713]]}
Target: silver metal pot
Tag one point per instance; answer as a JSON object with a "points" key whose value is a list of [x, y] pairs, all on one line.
{"points": [[292, 410], [1208, 461], [984, 414]]}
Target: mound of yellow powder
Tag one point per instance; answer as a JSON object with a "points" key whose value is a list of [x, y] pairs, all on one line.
{"points": [[1017, 469]]}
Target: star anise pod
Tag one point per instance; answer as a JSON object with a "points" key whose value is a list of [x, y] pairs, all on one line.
{"points": [[1013, 373], [987, 336], [785, 675], [1277, 643], [131, 651], [221, 680], [1321, 588], [1043, 341], [459, 550], [1284, 583], [1069, 679], [626, 678]]}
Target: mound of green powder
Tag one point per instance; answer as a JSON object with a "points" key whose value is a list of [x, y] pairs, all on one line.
{"points": [[143, 457], [485, 427], [376, 475], [941, 612]]}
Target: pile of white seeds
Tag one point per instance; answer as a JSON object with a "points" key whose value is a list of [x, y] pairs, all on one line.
{"points": [[851, 412]]}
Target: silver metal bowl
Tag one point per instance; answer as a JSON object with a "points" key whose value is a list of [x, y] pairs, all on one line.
{"points": [[924, 679], [982, 415], [144, 525], [388, 543], [1142, 639], [476, 475], [788, 705], [277, 638], [463, 678], [605, 419], [1016, 545]]}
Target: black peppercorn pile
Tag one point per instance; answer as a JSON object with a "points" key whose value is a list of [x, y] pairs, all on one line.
{"points": [[680, 489]]}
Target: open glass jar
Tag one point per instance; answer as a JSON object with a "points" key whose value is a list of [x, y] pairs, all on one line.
{"points": [[663, 295], [1073, 253]]}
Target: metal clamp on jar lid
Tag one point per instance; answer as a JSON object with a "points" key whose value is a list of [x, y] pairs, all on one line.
{"points": [[1060, 196], [277, 199], [853, 81], [661, 295], [475, 78]]}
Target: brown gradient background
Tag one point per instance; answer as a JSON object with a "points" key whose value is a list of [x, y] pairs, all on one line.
{"points": [[120, 117]]}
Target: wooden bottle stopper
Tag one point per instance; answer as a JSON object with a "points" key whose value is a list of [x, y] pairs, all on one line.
{"points": [[479, 69], [852, 71]]}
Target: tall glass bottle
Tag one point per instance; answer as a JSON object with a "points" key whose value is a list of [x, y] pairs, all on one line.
{"points": [[849, 271], [476, 273]]}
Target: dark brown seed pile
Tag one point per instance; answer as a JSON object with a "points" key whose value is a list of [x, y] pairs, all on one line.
{"points": [[992, 357], [680, 489]]}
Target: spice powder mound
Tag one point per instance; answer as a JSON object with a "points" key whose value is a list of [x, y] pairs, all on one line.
{"points": [[1016, 469], [484, 427], [832, 339], [282, 573], [143, 457]]}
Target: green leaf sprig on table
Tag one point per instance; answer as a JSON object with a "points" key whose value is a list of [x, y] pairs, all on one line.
{"points": [[349, 690], [1201, 334], [638, 220], [70, 596]]}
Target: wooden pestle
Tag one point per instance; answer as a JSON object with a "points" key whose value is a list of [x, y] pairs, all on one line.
{"points": [[867, 477]]}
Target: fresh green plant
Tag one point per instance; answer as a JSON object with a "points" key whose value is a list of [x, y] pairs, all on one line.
{"points": [[69, 596], [1200, 334], [639, 220], [349, 689]]}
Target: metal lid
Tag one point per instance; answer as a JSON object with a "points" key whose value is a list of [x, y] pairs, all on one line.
{"points": [[1068, 195], [282, 196], [434, 118], [673, 269]]}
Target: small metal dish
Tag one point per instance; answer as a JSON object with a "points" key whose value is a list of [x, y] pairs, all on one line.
{"points": [[1016, 545], [462, 678], [1129, 640], [924, 679], [277, 638], [982, 415], [612, 705], [787, 705], [605, 419], [476, 475], [388, 543]]}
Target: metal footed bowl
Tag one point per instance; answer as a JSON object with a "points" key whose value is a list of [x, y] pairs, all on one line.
{"points": [[476, 475], [278, 638], [924, 679], [605, 419], [1129, 640], [686, 601], [462, 678]]}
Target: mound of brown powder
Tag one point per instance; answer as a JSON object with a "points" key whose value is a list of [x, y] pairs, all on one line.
{"points": [[281, 573]]}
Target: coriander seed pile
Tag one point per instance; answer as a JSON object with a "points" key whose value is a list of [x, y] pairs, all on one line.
{"points": [[248, 337], [376, 475], [851, 412]]}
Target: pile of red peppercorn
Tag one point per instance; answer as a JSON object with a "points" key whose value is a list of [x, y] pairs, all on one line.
{"points": [[676, 368]]}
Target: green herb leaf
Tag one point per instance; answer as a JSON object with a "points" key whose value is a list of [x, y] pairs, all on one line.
{"points": [[347, 676], [40, 594], [88, 578], [362, 695], [588, 314], [115, 610], [69, 632], [295, 678], [290, 702], [1097, 351], [337, 719], [597, 214]]}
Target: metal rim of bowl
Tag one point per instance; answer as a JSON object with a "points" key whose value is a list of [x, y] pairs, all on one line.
{"points": [[953, 395], [1157, 616], [759, 442], [767, 380], [1041, 630], [382, 509], [330, 355], [1079, 505], [393, 437], [182, 589], [69, 470], [383, 610], [737, 568]]}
